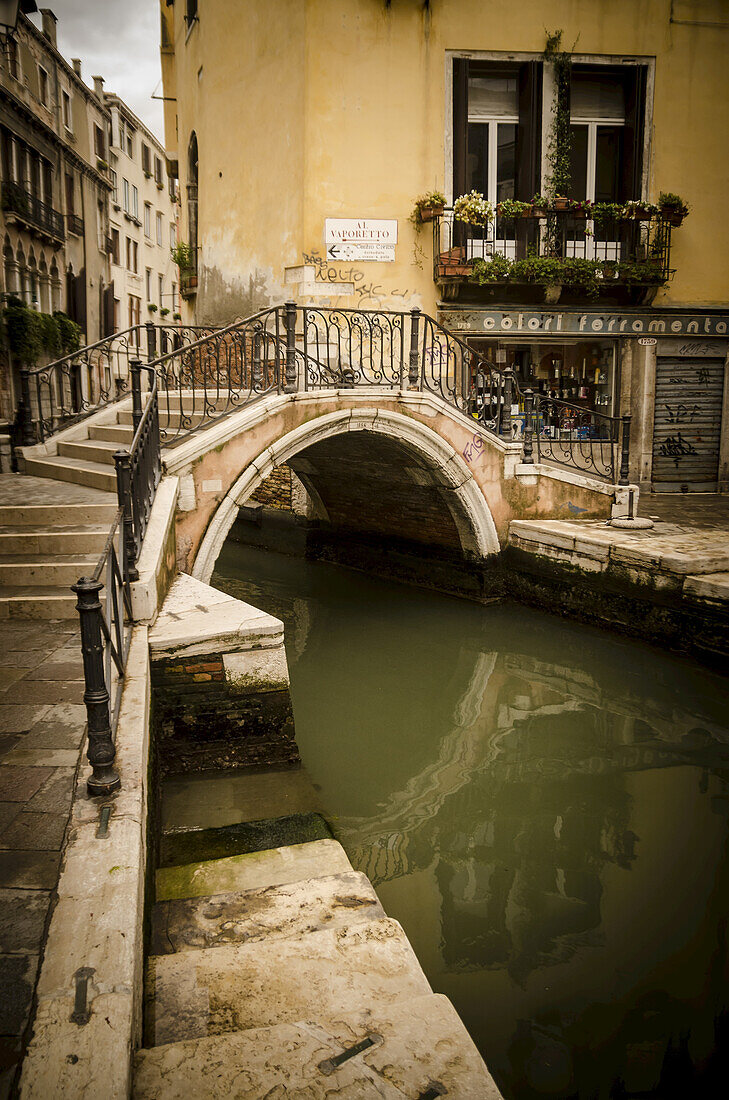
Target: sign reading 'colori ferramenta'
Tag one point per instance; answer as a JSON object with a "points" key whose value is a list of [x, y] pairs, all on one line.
{"points": [[589, 323]]}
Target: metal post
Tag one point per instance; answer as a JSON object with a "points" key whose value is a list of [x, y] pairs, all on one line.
{"points": [[135, 367], [26, 413], [625, 452], [151, 341], [101, 751], [123, 463], [414, 358], [290, 384], [506, 393], [528, 453], [257, 365]]}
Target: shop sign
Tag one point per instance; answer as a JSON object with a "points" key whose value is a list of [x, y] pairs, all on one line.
{"points": [[360, 239], [588, 324]]}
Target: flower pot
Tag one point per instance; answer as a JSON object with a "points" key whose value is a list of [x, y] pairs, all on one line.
{"points": [[641, 214], [429, 213], [538, 212], [671, 215], [561, 205]]}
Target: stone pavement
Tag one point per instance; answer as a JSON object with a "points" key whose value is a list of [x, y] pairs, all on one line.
{"points": [[42, 721]]}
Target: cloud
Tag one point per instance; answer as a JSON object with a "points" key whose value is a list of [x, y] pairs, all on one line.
{"points": [[119, 40]]}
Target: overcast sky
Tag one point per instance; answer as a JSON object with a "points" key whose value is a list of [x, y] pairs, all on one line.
{"points": [[116, 39]]}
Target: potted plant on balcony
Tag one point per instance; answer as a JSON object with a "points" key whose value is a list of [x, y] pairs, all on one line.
{"points": [[673, 209], [639, 210], [514, 208], [176, 316], [580, 208], [427, 207], [473, 209], [496, 269], [151, 307], [164, 311], [540, 206]]}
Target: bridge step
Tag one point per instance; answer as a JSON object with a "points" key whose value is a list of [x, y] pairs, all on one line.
{"points": [[419, 1048], [273, 981], [44, 539], [273, 912], [120, 434], [75, 470], [40, 515], [52, 569], [37, 602], [91, 450]]}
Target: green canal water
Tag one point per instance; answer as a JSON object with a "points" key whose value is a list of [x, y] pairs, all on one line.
{"points": [[543, 806]]}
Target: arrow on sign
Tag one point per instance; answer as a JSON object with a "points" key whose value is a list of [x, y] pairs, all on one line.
{"points": [[333, 251]]}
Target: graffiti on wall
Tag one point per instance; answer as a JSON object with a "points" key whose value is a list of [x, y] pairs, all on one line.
{"points": [[368, 292]]}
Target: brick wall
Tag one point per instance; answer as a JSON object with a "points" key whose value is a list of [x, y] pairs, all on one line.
{"points": [[275, 492], [203, 721]]}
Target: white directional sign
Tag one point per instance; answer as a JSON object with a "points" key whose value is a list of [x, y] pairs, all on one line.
{"points": [[360, 239]]}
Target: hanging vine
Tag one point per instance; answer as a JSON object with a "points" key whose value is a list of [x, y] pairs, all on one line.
{"points": [[559, 143]]}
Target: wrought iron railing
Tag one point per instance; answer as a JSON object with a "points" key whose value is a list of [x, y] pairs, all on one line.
{"points": [[587, 255], [138, 470], [58, 394], [572, 435], [16, 199], [105, 634], [75, 224]]}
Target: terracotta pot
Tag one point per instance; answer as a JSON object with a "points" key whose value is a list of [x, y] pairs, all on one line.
{"points": [[429, 213], [561, 205], [671, 215]]}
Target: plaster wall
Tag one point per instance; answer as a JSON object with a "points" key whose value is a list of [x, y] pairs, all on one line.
{"points": [[308, 109]]}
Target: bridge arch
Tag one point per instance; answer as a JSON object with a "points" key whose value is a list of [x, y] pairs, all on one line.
{"points": [[449, 476]]}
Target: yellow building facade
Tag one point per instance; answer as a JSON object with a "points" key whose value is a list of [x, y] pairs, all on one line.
{"points": [[303, 131]]}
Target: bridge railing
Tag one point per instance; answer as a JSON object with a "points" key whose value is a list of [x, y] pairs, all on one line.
{"points": [[60, 393]]}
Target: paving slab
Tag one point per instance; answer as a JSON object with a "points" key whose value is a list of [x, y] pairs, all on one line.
{"points": [[34, 831], [277, 912], [20, 717], [416, 1046], [22, 920], [241, 986], [54, 796], [17, 980], [19, 784], [234, 874], [30, 870]]}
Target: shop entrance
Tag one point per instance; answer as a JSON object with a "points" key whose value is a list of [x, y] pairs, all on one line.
{"points": [[687, 425]]}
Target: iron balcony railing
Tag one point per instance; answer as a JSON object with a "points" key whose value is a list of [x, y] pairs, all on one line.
{"points": [[27, 206], [75, 225], [55, 396], [582, 255]]}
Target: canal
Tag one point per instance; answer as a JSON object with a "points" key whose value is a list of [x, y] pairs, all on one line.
{"points": [[544, 808]]}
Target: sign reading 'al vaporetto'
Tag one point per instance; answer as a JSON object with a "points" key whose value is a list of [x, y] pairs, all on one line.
{"points": [[589, 323], [368, 239]]}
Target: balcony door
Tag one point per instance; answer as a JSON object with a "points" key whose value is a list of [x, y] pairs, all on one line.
{"points": [[493, 122]]}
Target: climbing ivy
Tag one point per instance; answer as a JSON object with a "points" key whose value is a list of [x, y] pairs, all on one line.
{"points": [[560, 137], [31, 334]]}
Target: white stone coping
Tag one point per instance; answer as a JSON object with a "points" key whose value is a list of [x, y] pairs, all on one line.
{"points": [[98, 923], [712, 586], [145, 591], [78, 432], [571, 477], [197, 619], [605, 543]]}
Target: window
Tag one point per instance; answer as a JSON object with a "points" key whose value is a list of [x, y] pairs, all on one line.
{"points": [[13, 59], [135, 310], [43, 85], [99, 143], [148, 283], [161, 288], [146, 160], [135, 202], [125, 186], [190, 12], [114, 246], [101, 225], [126, 138], [70, 203], [66, 109], [493, 119], [114, 187], [597, 116], [174, 297], [158, 172], [160, 228], [147, 220], [132, 255], [117, 314], [173, 235]]}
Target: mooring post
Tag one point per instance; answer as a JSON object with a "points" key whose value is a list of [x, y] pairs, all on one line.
{"points": [[414, 359], [290, 384], [135, 368], [623, 479], [101, 751], [528, 450], [123, 463]]}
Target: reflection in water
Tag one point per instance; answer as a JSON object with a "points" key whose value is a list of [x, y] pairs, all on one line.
{"points": [[542, 806]]}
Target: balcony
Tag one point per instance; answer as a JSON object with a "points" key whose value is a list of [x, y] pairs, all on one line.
{"points": [[188, 284], [75, 225], [28, 208], [557, 255]]}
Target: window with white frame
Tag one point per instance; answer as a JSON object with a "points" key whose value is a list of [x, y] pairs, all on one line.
{"points": [[148, 283], [66, 110], [493, 119], [135, 202], [114, 187], [160, 228], [147, 220], [597, 126], [126, 195], [161, 288]]}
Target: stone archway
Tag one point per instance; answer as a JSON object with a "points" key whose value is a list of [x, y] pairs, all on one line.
{"points": [[449, 474]]}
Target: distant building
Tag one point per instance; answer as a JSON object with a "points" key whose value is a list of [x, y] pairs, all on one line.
{"points": [[142, 222], [304, 133], [55, 188]]}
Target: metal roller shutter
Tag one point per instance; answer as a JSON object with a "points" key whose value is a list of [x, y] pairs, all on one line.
{"points": [[687, 424]]}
